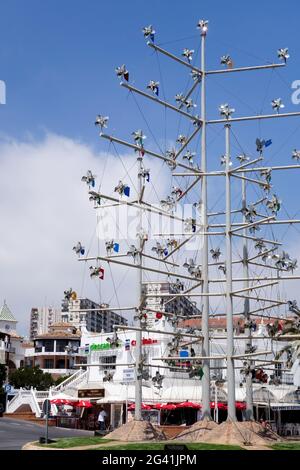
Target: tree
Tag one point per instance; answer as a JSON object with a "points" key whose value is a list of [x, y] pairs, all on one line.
{"points": [[27, 377], [2, 375]]}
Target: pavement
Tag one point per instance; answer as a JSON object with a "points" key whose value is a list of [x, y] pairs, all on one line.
{"points": [[14, 433]]}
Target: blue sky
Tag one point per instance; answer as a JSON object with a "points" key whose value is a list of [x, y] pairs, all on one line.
{"points": [[58, 59]]}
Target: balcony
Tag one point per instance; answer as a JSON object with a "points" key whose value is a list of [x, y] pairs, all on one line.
{"points": [[4, 346]]}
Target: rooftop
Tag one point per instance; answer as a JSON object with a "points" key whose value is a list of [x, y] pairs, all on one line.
{"points": [[5, 313]]}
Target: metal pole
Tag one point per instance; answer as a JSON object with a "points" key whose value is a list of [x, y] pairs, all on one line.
{"points": [[249, 387], [205, 310], [229, 303], [138, 349]]}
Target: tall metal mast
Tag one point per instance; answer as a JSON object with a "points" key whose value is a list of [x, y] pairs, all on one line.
{"points": [[229, 301], [247, 316], [138, 349], [205, 274]]}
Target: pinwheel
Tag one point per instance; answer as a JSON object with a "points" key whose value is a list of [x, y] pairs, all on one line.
{"points": [[267, 174], [180, 98], [215, 254], [259, 245], [227, 60], [196, 76], [159, 250], [243, 158], [95, 197], [190, 225], [250, 213], [108, 376], [154, 87], [226, 111], [96, 272], [193, 269], [265, 255], [122, 189], [274, 204], [178, 285], [223, 161], [176, 192], [168, 204], [281, 260], [172, 243], [134, 252], [101, 121], [79, 249], [139, 137], [189, 156], [142, 371], [113, 341], [89, 179], [145, 174], [223, 269], [122, 72], [171, 162], [203, 25], [293, 307], [292, 265], [149, 32], [112, 246], [283, 54], [188, 54], [181, 139], [158, 379], [260, 144], [190, 104], [296, 155], [277, 105], [70, 294]]}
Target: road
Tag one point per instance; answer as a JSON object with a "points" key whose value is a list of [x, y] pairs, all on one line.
{"points": [[15, 433]]}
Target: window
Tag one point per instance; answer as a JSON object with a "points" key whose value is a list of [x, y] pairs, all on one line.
{"points": [[48, 364], [108, 362]]}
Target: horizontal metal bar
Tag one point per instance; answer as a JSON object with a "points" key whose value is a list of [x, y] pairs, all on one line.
{"points": [[254, 224], [245, 69], [262, 353], [143, 268], [133, 328], [252, 118], [248, 237], [148, 152], [172, 56], [273, 168], [159, 101], [106, 309], [245, 165], [251, 180], [247, 289]]}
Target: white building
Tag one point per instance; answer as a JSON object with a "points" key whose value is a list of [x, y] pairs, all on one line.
{"points": [[8, 325], [41, 319]]}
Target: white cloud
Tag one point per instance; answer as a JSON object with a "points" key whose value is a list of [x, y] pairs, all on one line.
{"points": [[44, 211]]}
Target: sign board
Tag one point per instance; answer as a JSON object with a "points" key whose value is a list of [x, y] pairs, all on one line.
{"points": [[47, 407], [128, 375], [91, 393], [7, 388]]}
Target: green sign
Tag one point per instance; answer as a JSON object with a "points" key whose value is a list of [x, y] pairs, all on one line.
{"points": [[103, 346]]}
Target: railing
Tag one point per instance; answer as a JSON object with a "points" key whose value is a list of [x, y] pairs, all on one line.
{"points": [[24, 397], [70, 382]]}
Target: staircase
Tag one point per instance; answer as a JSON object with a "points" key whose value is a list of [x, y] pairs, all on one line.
{"points": [[70, 384], [34, 399]]}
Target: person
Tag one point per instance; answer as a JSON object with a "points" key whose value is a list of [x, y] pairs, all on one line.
{"points": [[101, 419]]}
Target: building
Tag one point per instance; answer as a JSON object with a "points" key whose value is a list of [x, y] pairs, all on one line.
{"points": [[93, 315], [57, 351], [178, 305], [41, 319], [8, 325]]}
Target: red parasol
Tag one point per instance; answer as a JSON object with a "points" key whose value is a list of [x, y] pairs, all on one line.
{"points": [[188, 404], [59, 401], [165, 406], [83, 404], [144, 407]]}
